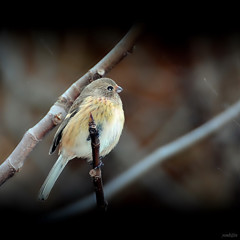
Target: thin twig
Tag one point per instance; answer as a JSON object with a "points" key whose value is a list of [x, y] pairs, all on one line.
{"points": [[59, 110], [96, 173], [150, 161]]}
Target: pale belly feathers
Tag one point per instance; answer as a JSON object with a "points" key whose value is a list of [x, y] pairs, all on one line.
{"points": [[110, 129]]}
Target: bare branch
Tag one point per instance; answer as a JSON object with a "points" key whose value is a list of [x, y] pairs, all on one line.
{"points": [[96, 172], [156, 157], [59, 110]]}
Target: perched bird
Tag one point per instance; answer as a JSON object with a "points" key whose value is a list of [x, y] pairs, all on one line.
{"points": [[100, 98]]}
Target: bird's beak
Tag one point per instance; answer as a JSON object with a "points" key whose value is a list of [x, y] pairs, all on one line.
{"points": [[118, 89]]}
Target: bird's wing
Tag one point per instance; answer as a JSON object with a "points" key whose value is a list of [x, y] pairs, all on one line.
{"points": [[58, 135]]}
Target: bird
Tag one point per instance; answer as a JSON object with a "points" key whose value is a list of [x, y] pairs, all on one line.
{"points": [[99, 99]]}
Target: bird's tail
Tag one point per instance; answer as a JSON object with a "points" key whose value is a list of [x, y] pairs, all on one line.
{"points": [[52, 177]]}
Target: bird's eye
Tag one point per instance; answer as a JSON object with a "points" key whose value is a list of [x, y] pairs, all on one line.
{"points": [[110, 88]]}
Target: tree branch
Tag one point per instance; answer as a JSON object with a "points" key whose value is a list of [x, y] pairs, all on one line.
{"points": [[59, 110], [96, 173], [156, 157]]}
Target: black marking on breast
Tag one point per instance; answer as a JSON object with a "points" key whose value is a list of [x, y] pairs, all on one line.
{"points": [[99, 128]]}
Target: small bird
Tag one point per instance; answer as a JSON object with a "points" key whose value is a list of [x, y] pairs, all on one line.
{"points": [[100, 98]]}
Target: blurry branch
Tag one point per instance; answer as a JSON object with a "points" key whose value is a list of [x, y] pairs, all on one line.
{"points": [[150, 161], [96, 172], [59, 110]]}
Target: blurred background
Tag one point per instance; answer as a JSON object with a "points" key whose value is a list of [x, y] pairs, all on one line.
{"points": [[176, 79]]}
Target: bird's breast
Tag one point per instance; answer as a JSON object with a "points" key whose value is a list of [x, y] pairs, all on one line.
{"points": [[109, 119]]}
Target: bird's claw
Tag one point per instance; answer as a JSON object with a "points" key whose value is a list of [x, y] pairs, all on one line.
{"points": [[99, 165]]}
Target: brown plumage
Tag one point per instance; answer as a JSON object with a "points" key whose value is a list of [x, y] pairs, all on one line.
{"points": [[101, 99]]}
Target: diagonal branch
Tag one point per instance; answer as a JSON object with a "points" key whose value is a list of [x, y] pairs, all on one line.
{"points": [[59, 110]]}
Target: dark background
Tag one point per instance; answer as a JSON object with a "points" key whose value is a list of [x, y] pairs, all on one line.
{"points": [[184, 71]]}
